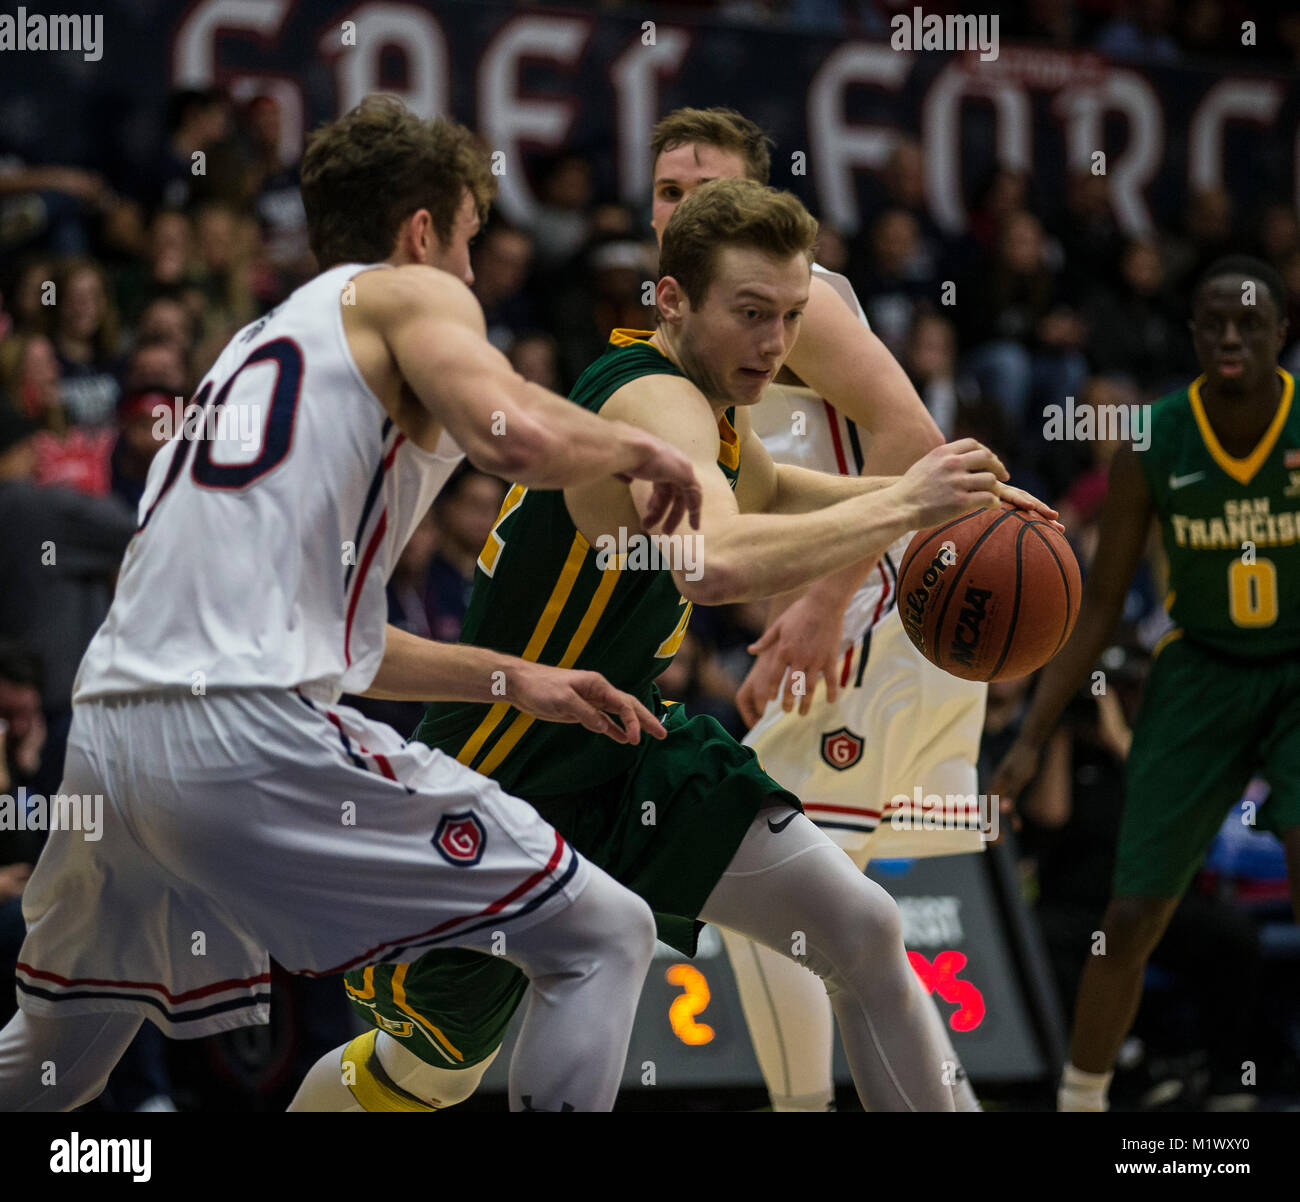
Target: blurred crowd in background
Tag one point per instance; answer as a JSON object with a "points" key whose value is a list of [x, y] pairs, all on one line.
{"points": [[114, 304]]}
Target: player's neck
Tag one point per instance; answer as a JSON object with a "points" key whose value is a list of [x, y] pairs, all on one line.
{"points": [[1242, 417], [665, 346]]}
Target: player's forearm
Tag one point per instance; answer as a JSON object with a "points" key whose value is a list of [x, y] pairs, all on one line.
{"points": [[575, 446], [416, 669], [762, 554], [799, 490], [1067, 672]]}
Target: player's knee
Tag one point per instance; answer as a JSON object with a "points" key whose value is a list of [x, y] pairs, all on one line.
{"points": [[624, 927], [1133, 925], [438, 1087], [633, 930]]}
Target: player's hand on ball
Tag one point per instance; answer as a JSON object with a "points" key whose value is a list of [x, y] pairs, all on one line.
{"points": [[951, 480], [587, 698], [804, 638], [1023, 500]]}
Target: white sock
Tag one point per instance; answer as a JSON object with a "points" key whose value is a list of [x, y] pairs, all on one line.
{"points": [[1082, 1091]]}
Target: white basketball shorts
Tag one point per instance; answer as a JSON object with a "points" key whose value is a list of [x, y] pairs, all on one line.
{"points": [[245, 823], [898, 726]]}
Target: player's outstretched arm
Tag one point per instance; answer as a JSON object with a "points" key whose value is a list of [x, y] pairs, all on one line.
{"points": [[1125, 523], [416, 669], [434, 329], [750, 555]]}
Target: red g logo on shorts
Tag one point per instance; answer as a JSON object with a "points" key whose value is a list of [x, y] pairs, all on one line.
{"points": [[841, 748], [460, 839]]}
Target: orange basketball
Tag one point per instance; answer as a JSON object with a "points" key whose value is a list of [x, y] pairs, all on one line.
{"points": [[991, 595]]}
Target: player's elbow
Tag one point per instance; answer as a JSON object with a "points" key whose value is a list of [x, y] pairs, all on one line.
{"points": [[517, 449], [714, 582]]}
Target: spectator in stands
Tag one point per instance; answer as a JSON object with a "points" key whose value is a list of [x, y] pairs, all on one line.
{"points": [[1290, 269], [277, 202], [1020, 332], [22, 738], [146, 417], [197, 120], [501, 265], [168, 319], [607, 294], [463, 513], [1137, 329], [560, 224], [832, 248], [1144, 33], [86, 342], [159, 361], [168, 268], [930, 360], [227, 248], [30, 314], [1088, 233], [535, 356], [898, 275], [60, 552], [29, 374], [1207, 235]]}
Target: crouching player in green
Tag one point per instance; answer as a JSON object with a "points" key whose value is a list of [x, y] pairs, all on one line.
{"points": [[691, 822], [1222, 473]]}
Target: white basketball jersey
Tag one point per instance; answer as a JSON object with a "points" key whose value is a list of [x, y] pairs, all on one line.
{"points": [[269, 528], [800, 428]]}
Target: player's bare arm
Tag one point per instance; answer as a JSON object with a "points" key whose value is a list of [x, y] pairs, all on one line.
{"points": [[751, 555], [1125, 524], [418, 337], [416, 669], [842, 360]]}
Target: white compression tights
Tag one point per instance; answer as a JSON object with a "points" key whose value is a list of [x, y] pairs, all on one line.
{"points": [[60, 1063], [791, 1024], [794, 891]]}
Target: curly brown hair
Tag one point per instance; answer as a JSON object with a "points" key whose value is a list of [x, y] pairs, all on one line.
{"points": [[366, 173], [723, 128], [731, 212]]}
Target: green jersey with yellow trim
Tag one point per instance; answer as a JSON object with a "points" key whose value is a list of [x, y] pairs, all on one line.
{"points": [[542, 592], [1231, 527]]}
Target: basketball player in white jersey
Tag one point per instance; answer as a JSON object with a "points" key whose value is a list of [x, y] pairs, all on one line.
{"points": [[246, 812], [863, 717]]}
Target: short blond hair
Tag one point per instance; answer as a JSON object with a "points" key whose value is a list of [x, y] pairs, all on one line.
{"points": [[722, 128], [731, 212]]}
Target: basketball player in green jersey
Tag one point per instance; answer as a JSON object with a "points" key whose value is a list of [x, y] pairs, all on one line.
{"points": [[700, 831], [1222, 474]]}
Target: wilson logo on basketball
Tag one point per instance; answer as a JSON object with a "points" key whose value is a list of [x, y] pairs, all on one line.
{"points": [[917, 598], [460, 839], [968, 623], [841, 748]]}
